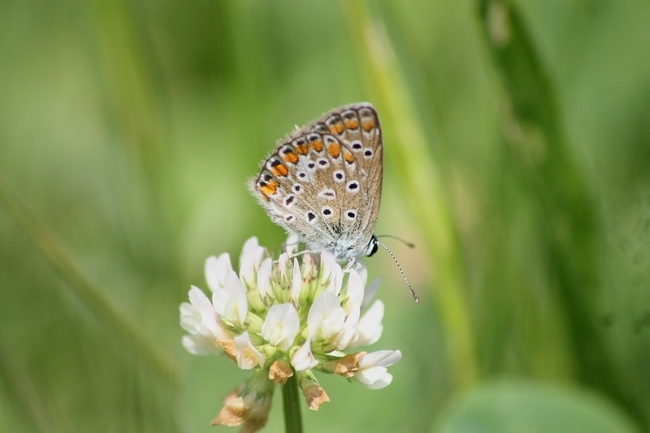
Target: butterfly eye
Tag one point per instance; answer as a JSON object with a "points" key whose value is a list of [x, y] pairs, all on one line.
{"points": [[375, 247]]}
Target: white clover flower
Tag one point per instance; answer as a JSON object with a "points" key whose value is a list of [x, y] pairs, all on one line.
{"points": [[303, 358], [372, 368], [205, 326], [284, 317], [281, 326]]}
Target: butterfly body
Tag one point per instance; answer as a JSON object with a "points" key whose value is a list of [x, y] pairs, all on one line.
{"points": [[323, 182]]}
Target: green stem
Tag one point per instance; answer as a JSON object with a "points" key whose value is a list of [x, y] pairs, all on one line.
{"points": [[291, 402]]}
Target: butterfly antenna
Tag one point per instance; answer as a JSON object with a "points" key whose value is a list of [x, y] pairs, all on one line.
{"points": [[415, 296], [408, 244]]}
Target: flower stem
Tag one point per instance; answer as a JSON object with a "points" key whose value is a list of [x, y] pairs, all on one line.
{"points": [[291, 402]]}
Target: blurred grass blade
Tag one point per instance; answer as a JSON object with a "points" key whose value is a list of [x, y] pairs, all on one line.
{"points": [[129, 84], [19, 387], [420, 176], [128, 80], [532, 129], [89, 295]]}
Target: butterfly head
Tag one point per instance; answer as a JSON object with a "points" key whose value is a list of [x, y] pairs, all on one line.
{"points": [[372, 246], [345, 247]]}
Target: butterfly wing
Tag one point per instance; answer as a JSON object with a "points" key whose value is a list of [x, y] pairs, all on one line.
{"points": [[323, 182], [357, 127]]}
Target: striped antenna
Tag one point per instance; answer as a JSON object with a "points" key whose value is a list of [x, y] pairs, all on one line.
{"points": [[415, 296]]}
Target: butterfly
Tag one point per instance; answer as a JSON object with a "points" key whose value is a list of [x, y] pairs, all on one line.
{"points": [[323, 182]]}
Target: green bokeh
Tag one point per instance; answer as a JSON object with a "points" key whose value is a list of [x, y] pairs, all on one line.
{"points": [[128, 131]]}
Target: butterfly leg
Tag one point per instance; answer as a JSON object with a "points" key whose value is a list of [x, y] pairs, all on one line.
{"points": [[291, 244], [352, 264]]}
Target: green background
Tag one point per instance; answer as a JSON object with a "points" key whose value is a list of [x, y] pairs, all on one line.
{"points": [[517, 158]]}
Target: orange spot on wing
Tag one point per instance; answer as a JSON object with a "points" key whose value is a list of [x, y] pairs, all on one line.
{"points": [[268, 188], [368, 125], [317, 145], [291, 157], [351, 123], [280, 170], [337, 128], [334, 150], [348, 156], [302, 149]]}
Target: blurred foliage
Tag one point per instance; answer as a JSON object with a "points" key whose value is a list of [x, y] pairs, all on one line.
{"points": [[515, 407], [517, 155]]}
